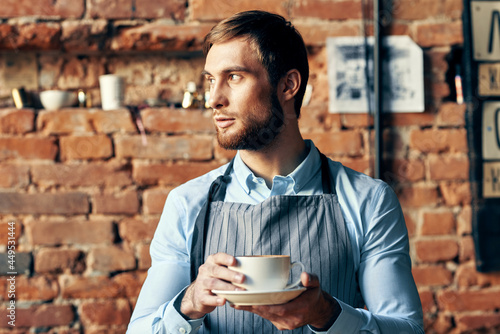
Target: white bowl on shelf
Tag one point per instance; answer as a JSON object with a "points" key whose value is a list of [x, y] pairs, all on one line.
{"points": [[57, 99]]}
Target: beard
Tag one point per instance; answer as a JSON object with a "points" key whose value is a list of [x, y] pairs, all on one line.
{"points": [[256, 134]]}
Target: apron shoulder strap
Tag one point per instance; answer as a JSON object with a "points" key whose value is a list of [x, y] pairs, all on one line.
{"points": [[328, 185], [216, 192]]}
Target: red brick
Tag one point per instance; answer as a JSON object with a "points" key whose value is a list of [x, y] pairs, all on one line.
{"points": [[468, 276], [438, 141], [469, 300], [453, 9], [438, 223], [451, 114], [86, 147], [436, 250], [172, 120], [316, 33], [36, 288], [110, 9], [436, 65], [43, 8], [448, 167], [44, 315], [153, 200], [119, 329], [328, 10], [362, 164], [109, 174], [10, 228], [410, 224], [408, 119], [467, 251], [108, 259], [105, 312], [178, 147], [439, 34], [356, 120], [469, 322], [111, 121], [418, 196], [349, 142], [57, 260], [14, 176], [416, 9], [134, 230], [160, 36], [17, 121], [83, 35], [144, 257], [404, 170], [125, 202], [64, 121], [59, 203], [70, 232], [151, 9], [30, 36], [221, 154], [427, 300], [81, 72], [436, 90], [442, 323], [89, 287], [432, 276], [464, 221], [206, 10], [313, 117], [145, 173], [28, 148], [130, 283], [455, 193]]}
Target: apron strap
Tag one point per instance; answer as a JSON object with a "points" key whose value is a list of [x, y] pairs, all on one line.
{"points": [[325, 176], [217, 192]]}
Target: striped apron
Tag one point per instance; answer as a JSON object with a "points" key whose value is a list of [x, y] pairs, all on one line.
{"points": [[310, 229]]}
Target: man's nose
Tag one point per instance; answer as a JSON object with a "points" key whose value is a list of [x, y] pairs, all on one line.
{"points": [[218, 97]]}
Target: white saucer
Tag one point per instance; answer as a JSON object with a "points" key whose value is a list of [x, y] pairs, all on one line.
{"points": [[246, 298]]}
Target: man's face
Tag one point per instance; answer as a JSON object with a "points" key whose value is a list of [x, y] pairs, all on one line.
{"points": [[247, 112]]}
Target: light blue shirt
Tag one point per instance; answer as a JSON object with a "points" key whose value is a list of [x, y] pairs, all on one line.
{"points": [[376, 227]]}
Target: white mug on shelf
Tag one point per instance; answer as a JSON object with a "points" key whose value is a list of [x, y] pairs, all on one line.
{"points": [[112, 91]]}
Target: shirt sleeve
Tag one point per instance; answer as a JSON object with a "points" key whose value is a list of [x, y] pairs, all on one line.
{"points": [[167, 277], [385, 278]]}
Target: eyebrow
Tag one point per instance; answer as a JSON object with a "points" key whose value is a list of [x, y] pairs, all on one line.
{"points": [[229, 70]]}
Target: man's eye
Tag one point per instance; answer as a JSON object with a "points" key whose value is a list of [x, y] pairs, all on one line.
{"points": [[211, 81], [234, 77]]}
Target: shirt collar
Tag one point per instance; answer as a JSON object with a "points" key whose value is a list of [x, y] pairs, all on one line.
{"points": [[301, 176]]}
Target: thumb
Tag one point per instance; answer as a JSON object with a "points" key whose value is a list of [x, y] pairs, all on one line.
{"points": [[309, 280]]}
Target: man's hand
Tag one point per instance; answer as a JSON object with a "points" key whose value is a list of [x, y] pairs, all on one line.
{"points": [[212, 275], [313, 307]]}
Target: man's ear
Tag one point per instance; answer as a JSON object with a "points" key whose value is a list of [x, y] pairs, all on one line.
{"points": [[290, 84]]}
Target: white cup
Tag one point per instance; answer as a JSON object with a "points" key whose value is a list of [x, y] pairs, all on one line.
{"points": [[112, 92], [266, 272]]}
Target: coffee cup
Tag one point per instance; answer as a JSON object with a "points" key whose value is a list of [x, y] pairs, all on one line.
{"points": [[112, 93], [266, 272]]}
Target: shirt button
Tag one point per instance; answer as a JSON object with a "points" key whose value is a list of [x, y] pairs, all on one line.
{"points": [[182, 330]]}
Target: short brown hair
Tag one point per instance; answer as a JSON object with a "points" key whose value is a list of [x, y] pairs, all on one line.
{"points": [[278, 44]]}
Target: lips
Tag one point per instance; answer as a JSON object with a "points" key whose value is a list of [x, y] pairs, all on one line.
{"points": [[223, 121]]}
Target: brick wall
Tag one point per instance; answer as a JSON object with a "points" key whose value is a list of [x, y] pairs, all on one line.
{"points": [[85, 193]]}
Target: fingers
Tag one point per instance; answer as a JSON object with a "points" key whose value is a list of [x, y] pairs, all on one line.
{"points": [[216, 273], [309, 280], [212, 275]]}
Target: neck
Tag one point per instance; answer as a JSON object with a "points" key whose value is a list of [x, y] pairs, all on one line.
{"points": [[281, 157]]}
